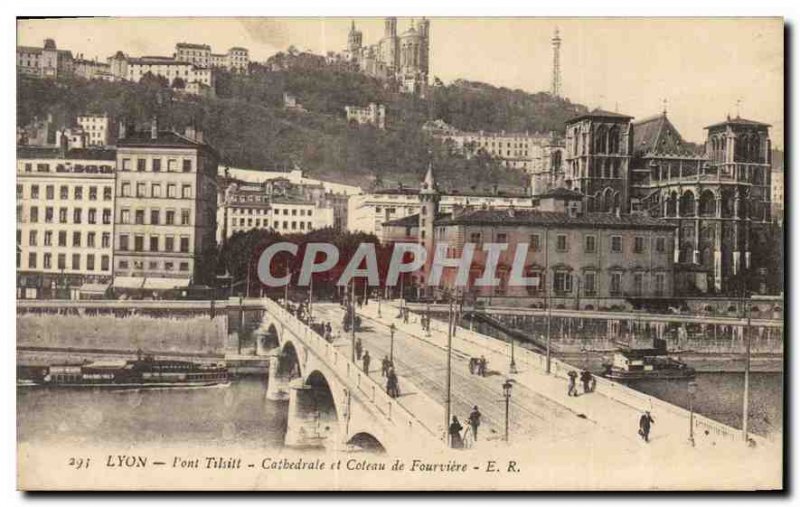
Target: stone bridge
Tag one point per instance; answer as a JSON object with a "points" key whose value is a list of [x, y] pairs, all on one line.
{"points": [[332, 403]]}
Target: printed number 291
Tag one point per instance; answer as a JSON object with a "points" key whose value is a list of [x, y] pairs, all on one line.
{"points": [[78, 463]]}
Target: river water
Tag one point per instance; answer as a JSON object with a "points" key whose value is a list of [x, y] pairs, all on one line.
{"points": [[240, 415]]}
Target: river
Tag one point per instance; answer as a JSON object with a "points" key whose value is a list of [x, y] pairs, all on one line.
{"points": [[240, 415]]}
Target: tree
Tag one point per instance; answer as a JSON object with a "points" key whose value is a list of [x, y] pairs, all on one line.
{"points": [[178, 83]]}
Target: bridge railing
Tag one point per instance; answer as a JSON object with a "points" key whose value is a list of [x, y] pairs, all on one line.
{"points": [[616, 391], [348, 371]]}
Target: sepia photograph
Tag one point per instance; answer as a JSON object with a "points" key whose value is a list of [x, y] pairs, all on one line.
{"points": [[396, 253]]}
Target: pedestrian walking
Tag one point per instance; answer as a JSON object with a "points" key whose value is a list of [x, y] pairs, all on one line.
{"points": [[644, 425], [385, 364], [358, 348], [366, 360], [473, 365], [475, 421], [586, 377], [571, 390], [482, 366], [456, 442], [392, 384]]}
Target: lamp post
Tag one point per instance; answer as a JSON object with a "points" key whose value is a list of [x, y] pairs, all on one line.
{"points": [[392, 329], [507, 385], [692, 390]]}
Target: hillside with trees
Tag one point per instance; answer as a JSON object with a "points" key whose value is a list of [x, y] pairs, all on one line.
{"points": [[247, 123]]}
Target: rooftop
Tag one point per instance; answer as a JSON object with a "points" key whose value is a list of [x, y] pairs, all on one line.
{"points": [[508, 217], [165, 138], [561, 193], [739, 121], [656, 135], [413, 220], [45, 152], [600, 113]]}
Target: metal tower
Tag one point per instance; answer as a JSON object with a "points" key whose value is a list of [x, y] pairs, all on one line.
{"points": [[556, 86]]}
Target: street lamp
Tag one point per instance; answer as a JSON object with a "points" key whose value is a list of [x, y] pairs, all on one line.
{"points": [[692, 388], [392, 329], [507, 385]]}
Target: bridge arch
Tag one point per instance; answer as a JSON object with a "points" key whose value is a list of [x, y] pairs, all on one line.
{"points": [[289, 362], [314, 419], [270, 339], [366, 442]]}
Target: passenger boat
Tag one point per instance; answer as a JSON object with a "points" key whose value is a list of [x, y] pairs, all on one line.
{"points": [[146, 372], [652, 363]]}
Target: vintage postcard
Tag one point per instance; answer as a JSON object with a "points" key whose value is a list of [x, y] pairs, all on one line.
{"points": [[400, 254]]}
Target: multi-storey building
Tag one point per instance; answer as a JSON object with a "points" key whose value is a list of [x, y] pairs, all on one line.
{"points": [[65, 205], [401, 58], [47, 61], [196, 54], [515, 150], [777, 181], [373, 114], [196, 79], [166, 209], [96, 127], [237, 59], [92, 69]]}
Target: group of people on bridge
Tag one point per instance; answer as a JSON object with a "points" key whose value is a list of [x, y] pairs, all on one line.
{"points": [[459, 440]]}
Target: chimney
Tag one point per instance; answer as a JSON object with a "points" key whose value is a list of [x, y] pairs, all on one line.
{"points": [[154, 128], [63, 143], [122, 128]]}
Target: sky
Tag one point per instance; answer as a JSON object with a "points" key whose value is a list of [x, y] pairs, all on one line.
{"points": [[702, 69]]}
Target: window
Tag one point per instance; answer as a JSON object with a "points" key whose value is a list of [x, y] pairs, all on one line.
{"points": [[186, 192], [106, 240], [172, 165], [90, 239], [35, 191], [294, 212], [34, 214], [659, 289], [48, 261], [172, 190], [638, 244], [90, 262], [92, 193], [62, 238], [536, 243], [126, 164], [185, 217], [616, 284], [32, 260], [475, 237], [107, 216], [141, 190], [104, 263], [187, 166], [590, 244], [139, 217], [152, 265], [562, 281], [154, 243], [155, 190], [589, 283], [141, 164], [170, 219], [48, 215], [92, 216], [48, 238], [616, 244], [156, 165], [638, 282], [125, 189], [660, 245], [106, 193], [76, 215], [123, 242], [125, 216], [64, 192], [62, 215], [502, 238], [76, 238], [49, 192], [76, 261], [184, 244], [62, 261], [28, 167], [78, 192], [168, 266], [138, 243], [169, 244], [561, 243]]}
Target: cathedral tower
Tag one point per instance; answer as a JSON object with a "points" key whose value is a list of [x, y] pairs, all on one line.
{"points": [[429, 197]]}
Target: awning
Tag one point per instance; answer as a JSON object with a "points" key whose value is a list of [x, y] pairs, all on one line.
{"points": [[94, 288], [128, 282], [165, 283]]}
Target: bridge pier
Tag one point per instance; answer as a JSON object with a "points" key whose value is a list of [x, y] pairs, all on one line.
{"points": [[277, 384]]}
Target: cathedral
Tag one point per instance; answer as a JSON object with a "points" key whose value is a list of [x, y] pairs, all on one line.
{"points": [[717, 195], [403, 58]]}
